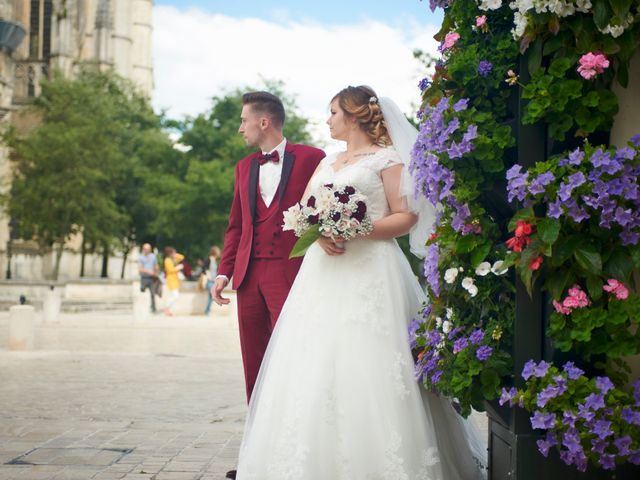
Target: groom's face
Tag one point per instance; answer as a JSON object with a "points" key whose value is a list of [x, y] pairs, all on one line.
{"points": [[251, 126]]}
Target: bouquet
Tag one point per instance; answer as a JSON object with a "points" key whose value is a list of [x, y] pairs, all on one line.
{"points": [[332, 212]]}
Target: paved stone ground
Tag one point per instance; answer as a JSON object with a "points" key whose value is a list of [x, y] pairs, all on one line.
{"points": [[105, 397]]}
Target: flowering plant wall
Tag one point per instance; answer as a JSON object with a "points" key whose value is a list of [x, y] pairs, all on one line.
{"points": [[569, 224]]}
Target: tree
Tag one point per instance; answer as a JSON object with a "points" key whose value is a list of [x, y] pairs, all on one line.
{"points": [[74, 170]]}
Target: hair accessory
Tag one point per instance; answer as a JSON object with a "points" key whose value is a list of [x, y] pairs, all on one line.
{"points": [[373, 100]]}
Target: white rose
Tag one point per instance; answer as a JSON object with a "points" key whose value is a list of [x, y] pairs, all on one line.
{"points": [[467, 282], [450, 275], [497, 269], [483, 269], [473, 290], [446, 326], [490, 4]]}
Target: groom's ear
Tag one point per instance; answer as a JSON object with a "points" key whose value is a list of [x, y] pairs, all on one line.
{"points": [[264, 123]]}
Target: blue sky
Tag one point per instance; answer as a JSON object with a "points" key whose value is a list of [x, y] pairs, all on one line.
{"points": [[324, 11], [203, 48]]}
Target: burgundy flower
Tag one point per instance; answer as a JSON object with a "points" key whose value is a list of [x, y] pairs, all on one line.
{"points": [[313, 219], [343, 197], [349, 190], [335, 217], [311, 202]]}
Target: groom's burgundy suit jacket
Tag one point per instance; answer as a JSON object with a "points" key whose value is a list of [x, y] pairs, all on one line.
{"points": [[241, 241]]}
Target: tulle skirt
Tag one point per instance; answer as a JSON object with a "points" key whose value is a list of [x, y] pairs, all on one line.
{"points": [[336, 397]]}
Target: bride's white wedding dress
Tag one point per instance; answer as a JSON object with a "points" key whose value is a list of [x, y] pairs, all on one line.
{"points": [[336, 397]]}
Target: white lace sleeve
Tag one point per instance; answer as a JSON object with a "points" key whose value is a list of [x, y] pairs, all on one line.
{"points": [[388, 158]]}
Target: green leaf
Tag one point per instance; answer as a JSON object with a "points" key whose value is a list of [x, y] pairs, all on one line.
{"points": [[559, 67], [620, 7], [479, 254], [551, 45], [466, 244], [490, 383], [535, 56], [549, 228], [619, 265], [601, 14], [589, 259], [557, 283], [305, 241], [564, 250], [594, 286]]}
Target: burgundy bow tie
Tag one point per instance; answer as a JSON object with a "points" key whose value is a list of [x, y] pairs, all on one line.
{"points": [[268, 157]]}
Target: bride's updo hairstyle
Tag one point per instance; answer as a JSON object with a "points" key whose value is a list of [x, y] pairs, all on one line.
{"points": [[362, 104]]}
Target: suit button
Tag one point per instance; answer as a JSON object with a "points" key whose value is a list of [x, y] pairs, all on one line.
{"points": [[270, 252], [257, 252], [275, 234], [257, 243]]}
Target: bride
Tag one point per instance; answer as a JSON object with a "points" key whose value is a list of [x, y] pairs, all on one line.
{"points": [[336, 396]]}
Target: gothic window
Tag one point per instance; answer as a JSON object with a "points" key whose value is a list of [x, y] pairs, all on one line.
{"points": [[40, 29]]}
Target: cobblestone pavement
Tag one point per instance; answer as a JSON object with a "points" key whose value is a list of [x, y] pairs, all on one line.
{"points": [[104, 397]]}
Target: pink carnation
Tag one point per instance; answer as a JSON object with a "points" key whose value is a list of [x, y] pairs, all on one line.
{"points": [[560, 309], [592, 64], [617, 288], [580, 297], [450, 40], [481, 21]]}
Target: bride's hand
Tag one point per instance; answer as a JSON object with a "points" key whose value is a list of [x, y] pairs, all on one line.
{"points": [[332, 246]]}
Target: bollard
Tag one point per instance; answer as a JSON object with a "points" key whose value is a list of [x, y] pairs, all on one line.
{"points": [[140, 312], [21, 327], [51, 305]]}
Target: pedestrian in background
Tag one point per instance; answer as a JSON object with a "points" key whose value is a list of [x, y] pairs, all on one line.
{"points": [[210, 269], [148, 269], [172, 266]]}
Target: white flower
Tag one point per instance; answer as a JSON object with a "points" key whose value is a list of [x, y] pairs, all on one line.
{"points": [[446, 326], [497, 268], [449, 313], [467, 282], [461, 269], [473, 290], [438, 322], [440, 345], [483, 269], [490, 4], [450, 275]]}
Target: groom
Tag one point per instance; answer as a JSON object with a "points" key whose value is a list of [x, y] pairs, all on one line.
{"points": [[256, 250]]}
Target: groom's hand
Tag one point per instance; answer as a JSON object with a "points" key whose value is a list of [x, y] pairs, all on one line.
{"points": [[330, 246], [216, 291]]}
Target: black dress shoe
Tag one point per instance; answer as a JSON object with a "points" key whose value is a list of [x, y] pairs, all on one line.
{"points": [[231, 474]]}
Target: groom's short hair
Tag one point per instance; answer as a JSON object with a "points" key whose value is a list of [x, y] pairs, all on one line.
{"points": [[266, 103]]}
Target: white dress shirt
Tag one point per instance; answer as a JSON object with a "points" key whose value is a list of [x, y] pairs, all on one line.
{"points": [[270, 174]]}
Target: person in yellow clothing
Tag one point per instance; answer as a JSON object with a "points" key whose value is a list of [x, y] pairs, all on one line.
{"points": [[172, 266]]}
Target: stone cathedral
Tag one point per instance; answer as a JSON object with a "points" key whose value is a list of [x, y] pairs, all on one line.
{"points": [[40, 36]]}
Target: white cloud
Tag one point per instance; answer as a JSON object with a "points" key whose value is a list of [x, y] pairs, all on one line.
{"points": [[197, 55]]}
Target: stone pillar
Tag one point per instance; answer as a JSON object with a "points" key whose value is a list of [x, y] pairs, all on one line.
{"points": [[21, 327], [141, 303], [51, 305]]}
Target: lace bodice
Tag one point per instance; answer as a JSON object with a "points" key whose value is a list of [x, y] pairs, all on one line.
{"points": [[364, 175]]}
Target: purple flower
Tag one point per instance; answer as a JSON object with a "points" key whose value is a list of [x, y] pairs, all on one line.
{"points": [[598, 445], [634, 457], [548, 442], [623, 444], [436, 376], [630, 416], [594, 401], [516, 183], [572, 371], [543, 420], [461, 104], [575, 158], [507, 396], [604, 384], [454, 333], [460, 344], [537, 184], [608, 461], [548, 393], [636, 140], [414, 326], [569, 418], [602, 429], [433, 4], [571, 440], [585, 413], [484, 68], [555, 209], [600, 158], [476, 336], [431, 272], [424, 84], [484, 353], [527, 371], [541, 369], [636, 392], [626, 153]]}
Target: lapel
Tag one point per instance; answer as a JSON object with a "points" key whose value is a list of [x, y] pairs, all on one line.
{"points": [[253, 186], [287, 165]]}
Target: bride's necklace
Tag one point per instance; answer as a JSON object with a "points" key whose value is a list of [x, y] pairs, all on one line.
{"points": [[349, 158]]}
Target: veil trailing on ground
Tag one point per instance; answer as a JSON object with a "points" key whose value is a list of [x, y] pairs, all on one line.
{"points": [[404, 135]]}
